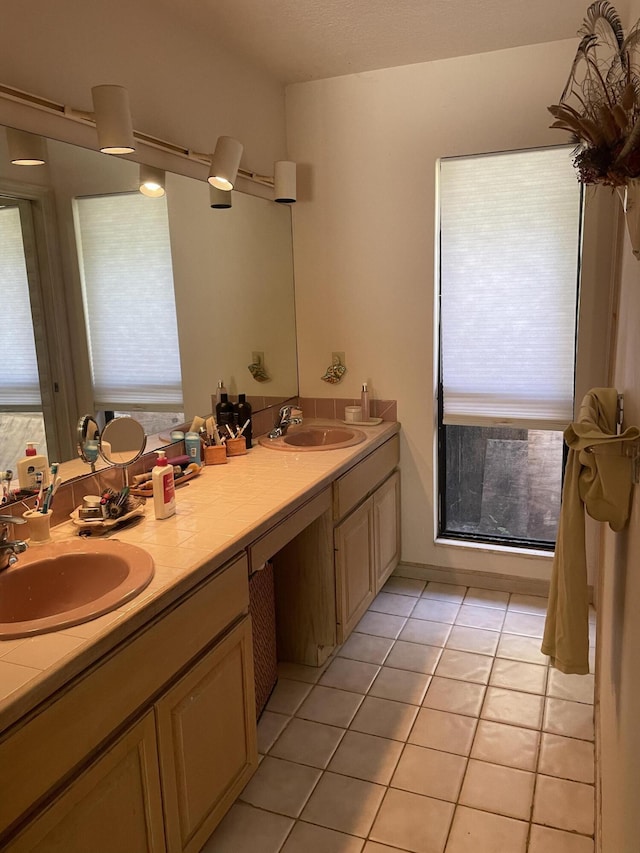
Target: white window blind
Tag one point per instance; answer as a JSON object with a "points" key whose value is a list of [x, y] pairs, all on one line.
{"points": [[510, 232], [127, 282], [19, 383]]}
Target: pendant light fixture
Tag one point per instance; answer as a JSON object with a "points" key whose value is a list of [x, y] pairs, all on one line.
{"points": [[219, 199], [284, 181], [113, 119], [225, 163], [25, 149], [152, 181]]}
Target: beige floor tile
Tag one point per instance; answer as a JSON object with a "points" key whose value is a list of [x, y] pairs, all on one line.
{"points": [[430, 772], [288, 696], [567, 758], [523, 623], [307, 838], [424, 631], [516, 675], [401, 685], [413, 822], [509, 745], [281, 786], [459, 697], [534, 604], [487, 598], [473, 640], [404, 586], [414, 656], [299, 672], [269, 727], [516, 647], [564, 805], [487, 618], [576, 688], [342, 803], [381, 624], [513, 707], [479, 832], [366, 647], [353, 675], [545, 840], [366, 757], [498, 789], [443, 730], [307, 743], [330, 706], [249, 830], [445, 592], [389, 602], [384, 718], [465, 666], [435, 611], [572, 719]]}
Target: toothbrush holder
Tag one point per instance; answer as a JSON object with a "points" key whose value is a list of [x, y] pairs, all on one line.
{"points": [[216, 454], [38, 525], [236, 446]]}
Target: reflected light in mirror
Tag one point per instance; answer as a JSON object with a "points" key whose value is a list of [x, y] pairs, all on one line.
{"points": [[25, 149], [152, 181]]}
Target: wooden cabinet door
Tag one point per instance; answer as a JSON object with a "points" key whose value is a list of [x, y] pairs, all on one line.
{"points": [[355, 581], [115, 806], [207, 740], [386, 525]]}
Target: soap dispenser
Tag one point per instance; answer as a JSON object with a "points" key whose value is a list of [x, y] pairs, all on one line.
{"points": [[364, 403], [164, 490], [32, 464]]}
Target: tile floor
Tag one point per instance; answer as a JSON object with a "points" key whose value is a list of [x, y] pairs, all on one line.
{"points": [[438, 727]]}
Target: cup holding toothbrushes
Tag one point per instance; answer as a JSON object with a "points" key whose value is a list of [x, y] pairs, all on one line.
{"points": [[38, 525]]}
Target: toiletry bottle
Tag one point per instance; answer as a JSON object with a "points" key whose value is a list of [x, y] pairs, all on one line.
{"points": [[220, 390], [193, 447], [243, 414], [29, 466], [225, 412], [164, 490], [364, 402]]}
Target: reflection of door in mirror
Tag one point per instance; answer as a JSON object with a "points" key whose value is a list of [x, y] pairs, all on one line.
{"points": [[22, 414]]}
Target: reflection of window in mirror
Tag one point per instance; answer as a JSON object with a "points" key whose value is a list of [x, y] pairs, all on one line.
{"points": [[21, 410], [129, 304]]}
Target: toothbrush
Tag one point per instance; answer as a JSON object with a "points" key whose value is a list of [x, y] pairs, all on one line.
{"points": [[246, 424], [40, 483], [49, 496], [230, 431]]}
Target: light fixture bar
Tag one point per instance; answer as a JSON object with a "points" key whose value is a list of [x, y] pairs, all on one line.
{"points": [[84, 117]]}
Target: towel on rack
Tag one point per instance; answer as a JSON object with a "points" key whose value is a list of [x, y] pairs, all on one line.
{"points": [[597, 478]]}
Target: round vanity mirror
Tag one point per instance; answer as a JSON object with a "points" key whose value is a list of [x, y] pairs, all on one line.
{"points": [[122, 441], [88, 439]]}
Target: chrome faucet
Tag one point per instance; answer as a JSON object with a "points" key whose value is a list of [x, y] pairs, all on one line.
{"points": [[9, 548], [285, 420]]}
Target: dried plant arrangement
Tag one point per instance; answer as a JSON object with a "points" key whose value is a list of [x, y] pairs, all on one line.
{"points": [[600, 105]]}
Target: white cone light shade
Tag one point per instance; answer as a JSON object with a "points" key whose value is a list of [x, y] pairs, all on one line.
{"points": [[113, 119], [25, 149], [284, 182], [151, 181], [225, 162], [219, 199]]}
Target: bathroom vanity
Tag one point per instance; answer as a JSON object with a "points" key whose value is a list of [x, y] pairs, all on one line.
{"points": [[142, 737]]}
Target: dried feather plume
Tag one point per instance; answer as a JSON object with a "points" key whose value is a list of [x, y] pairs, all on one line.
{"points": [[600, 105]]}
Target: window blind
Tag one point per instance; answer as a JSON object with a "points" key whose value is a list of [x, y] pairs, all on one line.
{"points": [[19, 382], [509, 265], [127, 283]]}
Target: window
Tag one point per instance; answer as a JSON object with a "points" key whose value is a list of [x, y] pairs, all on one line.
{"points": [[509, 269], [127, 283]]}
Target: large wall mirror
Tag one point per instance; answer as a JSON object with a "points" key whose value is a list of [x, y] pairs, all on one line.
{"points": [[232, 278]]}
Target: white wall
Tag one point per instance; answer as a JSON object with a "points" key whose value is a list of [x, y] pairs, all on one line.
{"points": [[364, 236]]}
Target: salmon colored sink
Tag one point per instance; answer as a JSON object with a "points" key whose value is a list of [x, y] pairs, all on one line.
{"points": [[65, 583], [315, 438]]}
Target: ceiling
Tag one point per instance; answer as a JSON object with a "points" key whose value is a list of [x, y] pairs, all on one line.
{"points": [[301, 40]]}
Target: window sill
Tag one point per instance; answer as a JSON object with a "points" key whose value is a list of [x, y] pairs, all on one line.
{"points": [[492, 548]]}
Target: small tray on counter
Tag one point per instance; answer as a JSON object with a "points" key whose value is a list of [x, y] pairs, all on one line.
{"points": [[145, 490], [102, 525]]}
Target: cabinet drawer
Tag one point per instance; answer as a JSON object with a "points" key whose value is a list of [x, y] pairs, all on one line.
{"points": [[86, 713], [361, 480], [280, 535]]}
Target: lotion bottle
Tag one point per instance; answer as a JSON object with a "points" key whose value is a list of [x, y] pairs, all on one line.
{"points": [[29, 466], [164, 490], [364, 403], [220, 390]]}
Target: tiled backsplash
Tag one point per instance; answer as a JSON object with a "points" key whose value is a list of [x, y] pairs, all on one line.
{"points": [[333, 407]]}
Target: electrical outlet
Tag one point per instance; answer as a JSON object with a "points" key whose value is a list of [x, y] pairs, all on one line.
{"points": [[338, 358]]}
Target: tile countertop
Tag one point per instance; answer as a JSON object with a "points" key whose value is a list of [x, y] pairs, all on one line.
{"points": [[217, 515]]}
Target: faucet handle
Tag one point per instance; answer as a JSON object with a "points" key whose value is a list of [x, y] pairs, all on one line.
{"points": [[5, 521]]}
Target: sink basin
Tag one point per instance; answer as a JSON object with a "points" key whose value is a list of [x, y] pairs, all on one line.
{"points": [[315, 438], [65, 583]]}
